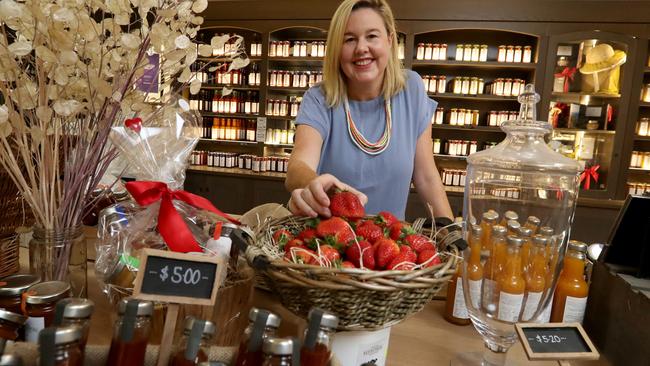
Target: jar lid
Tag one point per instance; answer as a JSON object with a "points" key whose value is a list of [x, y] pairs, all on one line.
{"points": [[328, 320], [477, 230], [546, 231], [540, 240], [278, 346], [490, 216], [12, 317], [209, 328], [578, 246], [526, 232], [64, 334], [533, 220], [272, 321], [144, 307], [499, 230], [78, 308], [17, 284], [11, 360], [511, 215], [513, 225], [46, 292], [515, 241]]}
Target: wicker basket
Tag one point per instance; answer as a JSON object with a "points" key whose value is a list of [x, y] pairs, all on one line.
{"points": [[362, 299]]}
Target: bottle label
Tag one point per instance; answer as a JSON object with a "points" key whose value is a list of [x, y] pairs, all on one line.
{"points": [[532, 302], [546, 314], [574, 309], [475, 292], [489, 296], [510, 306], [32, 327], [460, 310]]}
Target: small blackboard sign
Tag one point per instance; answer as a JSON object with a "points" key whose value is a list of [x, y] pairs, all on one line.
{"points": [[178, 278], [558, 341]]}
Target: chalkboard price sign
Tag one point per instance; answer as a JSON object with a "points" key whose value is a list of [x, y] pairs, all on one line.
{"points": [[178, 278], [559, 341]]}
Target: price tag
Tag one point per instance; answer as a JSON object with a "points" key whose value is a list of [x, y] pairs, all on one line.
{"points": [[558, 341], [178, 278], [260, 136]]}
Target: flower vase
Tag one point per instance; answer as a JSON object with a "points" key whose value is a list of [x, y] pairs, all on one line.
{"points": [[60, 255]]}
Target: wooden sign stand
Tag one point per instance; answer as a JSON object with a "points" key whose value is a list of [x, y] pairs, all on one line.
{"points": [[177, 278], [557, 341]]}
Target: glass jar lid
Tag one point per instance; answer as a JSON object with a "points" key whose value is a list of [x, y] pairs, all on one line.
{"points": [[208, 328], [145, 308], [272, 321], [17, 284], [278, 346], [47, 292], [10, 360], [78, 308], [12, 317], [578, 246]]}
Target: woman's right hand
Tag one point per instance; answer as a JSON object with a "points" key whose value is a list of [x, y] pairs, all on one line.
{"points": [[313, 200]]}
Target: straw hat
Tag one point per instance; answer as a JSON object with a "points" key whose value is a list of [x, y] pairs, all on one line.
{"points": [[602, 57]]}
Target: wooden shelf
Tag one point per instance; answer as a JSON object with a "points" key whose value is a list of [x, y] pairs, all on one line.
{"points": [[640, 170], [479, 97], [229, 115], [281, 118], [647, 69], [292, 59], [641, 138], [451, 157], [279, 145], [234, 87], [230, 142], [236, 172], [603, 132], [467, 128], [590, 95], [484, 65], [644, 104], [286, 90], [225, 59]]}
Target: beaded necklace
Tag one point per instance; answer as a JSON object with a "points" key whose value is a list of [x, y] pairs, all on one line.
{"points": [[362, 143]]}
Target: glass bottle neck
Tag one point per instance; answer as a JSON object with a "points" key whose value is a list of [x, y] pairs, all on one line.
{"points": [[574, 265]]}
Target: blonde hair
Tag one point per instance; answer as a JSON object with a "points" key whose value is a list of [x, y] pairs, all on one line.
{"points": [[334, 85]]}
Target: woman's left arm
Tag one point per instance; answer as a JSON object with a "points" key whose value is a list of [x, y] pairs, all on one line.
{"points": [[427, 179]]}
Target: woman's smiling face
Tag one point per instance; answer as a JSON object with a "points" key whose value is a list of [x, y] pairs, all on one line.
{"points": [[365, 52]]}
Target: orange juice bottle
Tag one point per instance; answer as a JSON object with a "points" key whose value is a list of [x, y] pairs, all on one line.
{"points": [[511, 282], [496, 254], [513, 227], [571, 293], [532, 223], [507, 216], [489, 219], [552, 254], [455, 309], [548, 232], [474, 266], [526, 234], [536, 276]]}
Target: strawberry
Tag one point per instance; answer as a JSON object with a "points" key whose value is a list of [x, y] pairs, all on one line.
{"points": [[328, 252], [398, 230], [386, 250], [405, 260], [419, 242], [426, 255], [346, 204], [302, 255], [293, 243], [369, 231], [307, 235], [354, 254], [337, 228], [282, 236], [386, 219], [346, 264]]}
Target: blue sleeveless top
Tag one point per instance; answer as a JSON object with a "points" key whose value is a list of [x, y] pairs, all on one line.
{"points": [[384, 178]]}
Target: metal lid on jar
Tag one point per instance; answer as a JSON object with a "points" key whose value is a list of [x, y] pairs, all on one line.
{"points": [[76, 307], [144, 307], [477, 230], [17, 284], [525, 232], [278, 346], [490, 216], [511, 215], [514, 241], [533, 220], [498, 230], [208, 328], [47, 292], [328, 320], [272, 321], [540, 240], [513, 225], [578, 246], [11, 360], [546, 231], [12, 317], [61, 335]]}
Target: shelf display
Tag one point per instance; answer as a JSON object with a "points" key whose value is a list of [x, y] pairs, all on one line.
{"points": [[240, 161], [294, 79]]}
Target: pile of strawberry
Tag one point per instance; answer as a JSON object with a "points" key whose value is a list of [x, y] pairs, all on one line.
{"points": [[350, 240]]}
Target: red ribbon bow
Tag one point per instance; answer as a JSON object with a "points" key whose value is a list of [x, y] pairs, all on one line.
{"points": [[171, 226], [588, 174], [568, 73]]}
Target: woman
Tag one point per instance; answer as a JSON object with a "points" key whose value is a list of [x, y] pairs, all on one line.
{"points": [[366, 128]]}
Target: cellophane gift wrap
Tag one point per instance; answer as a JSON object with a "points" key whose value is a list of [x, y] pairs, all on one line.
{"points": [[160, 214]]}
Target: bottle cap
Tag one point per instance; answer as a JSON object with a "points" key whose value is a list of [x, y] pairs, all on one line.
{"points": [[328, 320], [490, 216], [578, 246], [533, 220], [477, 230], [513, 225], [510, 215], [546, 231], [46, 292], [144, 307], [540, 240], [272, 321], [77, 307], [498, 230], [61, 335], [515, 241], [17, 284], [278, 346], [208, 329], [525, 232], [12, 317]]}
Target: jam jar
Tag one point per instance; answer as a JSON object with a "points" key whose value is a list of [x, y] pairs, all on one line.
{"points": [[59, 346], [194, 343], [75, 311], [130, 333], [316, 349], [10, 324], [12, 288], [263, 324], [39, 305]]}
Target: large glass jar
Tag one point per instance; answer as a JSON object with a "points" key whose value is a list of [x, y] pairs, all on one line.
{"points": [[523, 175]]}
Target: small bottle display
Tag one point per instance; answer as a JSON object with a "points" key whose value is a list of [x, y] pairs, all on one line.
{"points": [[570, 298], [316, 348], [279, 352], [12, 288], [75, 311], [59, 346], [193, 345], [10, 325], [130, 333], [262, 325], [39, 305]]}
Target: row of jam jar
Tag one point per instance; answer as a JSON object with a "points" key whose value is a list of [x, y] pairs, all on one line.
{"points": [[236, 102], [638, 188], [295, 79], [250, 75], [297, 49], [454, 147], [283, 107], [640, 160], [473, 52], [505, 87], [261, 346], [643, 127], [453, 177], [242, 161], [280, 136], [230, 129], [469, 117], [229, 47]]}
